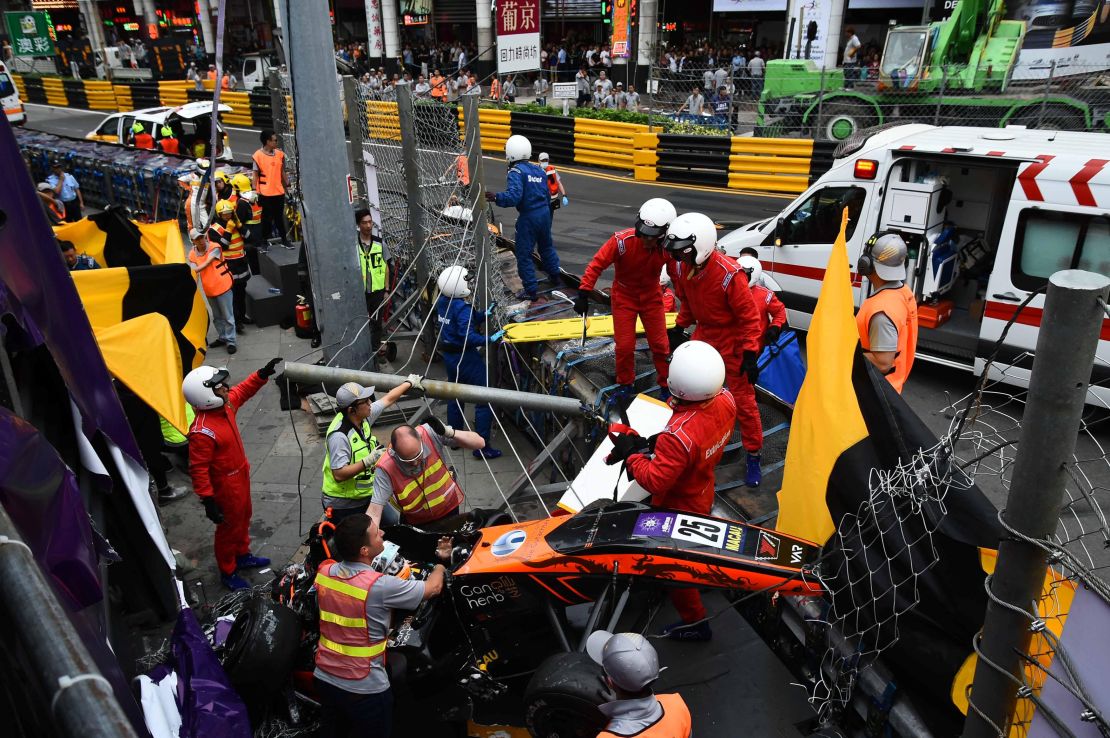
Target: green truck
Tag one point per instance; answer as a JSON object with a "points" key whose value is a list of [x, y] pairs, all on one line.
{"points": [[952, 72]]}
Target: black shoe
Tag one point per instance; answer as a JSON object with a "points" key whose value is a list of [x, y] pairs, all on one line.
{"points": [[217, 343], [248, 321], [231, 348], [171, 494], [315, 342]]}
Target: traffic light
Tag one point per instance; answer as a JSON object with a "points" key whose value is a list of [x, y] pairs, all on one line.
{"points": [[607, 11]]}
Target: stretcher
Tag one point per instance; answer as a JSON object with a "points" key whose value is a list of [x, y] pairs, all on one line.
{"points": [[564, 329]]}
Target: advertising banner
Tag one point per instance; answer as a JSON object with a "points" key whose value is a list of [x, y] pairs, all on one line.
{"points": [[622, 28], [30, 34], [518, 36], [375, 46], [812, 37]]}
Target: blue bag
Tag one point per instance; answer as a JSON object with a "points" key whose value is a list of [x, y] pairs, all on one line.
{"points": [[781, 369]]}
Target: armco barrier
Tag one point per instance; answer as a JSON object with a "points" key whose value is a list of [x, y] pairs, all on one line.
{"points": [[697, 160], [174, 92], [33, 91], [144, 95], [496, 128], [20, 86], [769, 164], [101, 95], [606, 143], [55, 91], [645, 156], [260, 107], [76, 94], [549, 133], [123, 97], [241, 108]]}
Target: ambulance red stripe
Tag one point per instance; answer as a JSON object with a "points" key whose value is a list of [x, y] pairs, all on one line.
{"points": [[1028, 177], [1080, 183]]}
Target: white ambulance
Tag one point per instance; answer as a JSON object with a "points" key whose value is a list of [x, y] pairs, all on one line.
{"points": [[9, 98], [989, 214]]}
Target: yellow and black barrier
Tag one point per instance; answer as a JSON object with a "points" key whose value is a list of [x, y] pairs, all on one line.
{"points": [[553, 134], [382, 120], [606, 143], [769, 164], [100, 95]]}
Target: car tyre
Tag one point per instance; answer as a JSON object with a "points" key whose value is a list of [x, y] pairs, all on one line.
{"points": [[562, 698], [261, 648]]}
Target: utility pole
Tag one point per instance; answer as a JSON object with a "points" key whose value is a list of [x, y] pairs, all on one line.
{"points": [[1073, 315], [321, 151]]}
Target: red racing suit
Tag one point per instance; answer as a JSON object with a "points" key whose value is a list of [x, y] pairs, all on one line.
{"points": [[636, 293], [771, 310], [681, 473], [670, 302], [716, 297], [219, 468]]}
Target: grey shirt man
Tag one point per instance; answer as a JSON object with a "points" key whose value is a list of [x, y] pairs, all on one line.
{"points": [[881, 331], [387, 594], [339, 455], [383, 485]]}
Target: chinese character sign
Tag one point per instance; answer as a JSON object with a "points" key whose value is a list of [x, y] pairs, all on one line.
{"points": [[622, 23], [375, 47], [518, 36], [30, 34]]}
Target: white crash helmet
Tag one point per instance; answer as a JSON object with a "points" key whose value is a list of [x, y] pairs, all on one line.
{"points": [[518, 148], [664, 276], [249, 195], [751, 265], [654, 217], [198, 385], [697, 372], [691, 231], [452, 282]]}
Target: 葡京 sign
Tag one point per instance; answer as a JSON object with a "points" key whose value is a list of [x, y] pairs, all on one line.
{"points": [[30, 34], [518, 36]]}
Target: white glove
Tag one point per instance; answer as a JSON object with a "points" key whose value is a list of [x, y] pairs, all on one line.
{"points": [[417, 383]]}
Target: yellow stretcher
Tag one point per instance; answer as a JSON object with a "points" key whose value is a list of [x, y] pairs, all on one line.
{"points": [[566, 328]]}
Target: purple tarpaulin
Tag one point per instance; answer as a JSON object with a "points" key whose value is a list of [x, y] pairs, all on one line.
{"points": [[210, 708]]}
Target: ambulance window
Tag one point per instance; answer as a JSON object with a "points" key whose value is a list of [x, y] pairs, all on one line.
{"points": [[1048, 242], [1095, 256], [7, 89], [109, 127], [817, 220]]}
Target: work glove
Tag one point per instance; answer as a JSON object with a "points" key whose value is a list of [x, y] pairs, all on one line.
{"points": [[749, 365], [490, 197], [212, 510], [565, 201], [372, 459], [582, 303], [625, 445], [772, 335], [438, 426], [677, 337], [417, 383], [268, 371]]}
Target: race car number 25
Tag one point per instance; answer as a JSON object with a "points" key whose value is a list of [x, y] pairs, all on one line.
{"points": [[699, 530]]}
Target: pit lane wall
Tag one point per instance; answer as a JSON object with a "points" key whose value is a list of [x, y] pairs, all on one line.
{"points": [[734, 162]]}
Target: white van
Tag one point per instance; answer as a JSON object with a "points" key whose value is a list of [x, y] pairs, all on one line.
{"points": [[9, 99], [989, 214], [191, 122]]}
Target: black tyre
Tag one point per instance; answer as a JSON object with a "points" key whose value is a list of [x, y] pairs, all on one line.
{"points": [[261, 648], [562, 698], [840, 121], [1054, 117]]}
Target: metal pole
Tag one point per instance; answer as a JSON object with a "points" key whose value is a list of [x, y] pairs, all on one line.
{"points": [[333, 263], [1057, 388], [356, 114], [82, 702], [277, 101], [940, 97], [314, 374]]}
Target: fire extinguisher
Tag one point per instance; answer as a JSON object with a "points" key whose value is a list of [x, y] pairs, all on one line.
{"points": [[302, 314]]}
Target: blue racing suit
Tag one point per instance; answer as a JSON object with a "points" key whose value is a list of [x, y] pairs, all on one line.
{"points": [[526, 190], [459, 342]]}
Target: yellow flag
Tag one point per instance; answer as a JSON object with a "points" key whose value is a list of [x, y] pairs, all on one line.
{"points": [[827, 419]]}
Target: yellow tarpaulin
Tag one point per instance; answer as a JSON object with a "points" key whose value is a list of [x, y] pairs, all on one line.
{"points": [[567, 328], [142, 353], [161, 241]]}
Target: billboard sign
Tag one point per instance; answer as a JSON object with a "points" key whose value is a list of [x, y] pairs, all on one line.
{"points": [[518, 36], [622, 28], [30, 34]]}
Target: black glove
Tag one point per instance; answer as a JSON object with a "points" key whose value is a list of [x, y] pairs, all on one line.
{"points": [[772, 334], [212, 511], [268, 371], [582, 303], [490, 197], [438, 426], [624, 445], [750, 365], [677, 337]]}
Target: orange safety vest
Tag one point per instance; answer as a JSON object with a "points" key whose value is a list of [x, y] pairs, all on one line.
{"points": [[225, 83], [215, 279], [675, 722], [901, 307], [495, 88], [439, 88], [552, 180], [170, 145], [462, 169], [143, 141], [56, 209], [431, 494], [269, 172], [344, 649]]}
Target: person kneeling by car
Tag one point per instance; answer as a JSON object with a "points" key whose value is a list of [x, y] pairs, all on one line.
{"points": [[631, 666], [356, 605]]}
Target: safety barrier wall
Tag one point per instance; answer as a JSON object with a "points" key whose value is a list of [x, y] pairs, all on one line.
{"points": [[778, 165]]}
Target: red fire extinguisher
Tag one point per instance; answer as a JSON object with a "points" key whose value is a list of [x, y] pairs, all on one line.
{"points": [[302, 315]]}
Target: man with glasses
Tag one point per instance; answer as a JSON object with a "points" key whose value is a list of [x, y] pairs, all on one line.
{"points": [[415, 473], [352, 449]]}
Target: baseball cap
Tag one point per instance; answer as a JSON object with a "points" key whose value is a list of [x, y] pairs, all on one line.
{"points": [[350, 393], [628, 658], [44, 187], [194, 234], [544, 157], [889, 254]]}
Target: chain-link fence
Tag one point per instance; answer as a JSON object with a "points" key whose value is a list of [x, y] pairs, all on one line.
{"points": [[693, 98], [800, 100]]}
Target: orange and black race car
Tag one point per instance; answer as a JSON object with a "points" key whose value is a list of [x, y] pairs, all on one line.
{"points": [[503, 644]]}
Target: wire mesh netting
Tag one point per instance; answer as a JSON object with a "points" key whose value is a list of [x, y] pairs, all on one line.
{"points": [[697, 98], [871, 594]]}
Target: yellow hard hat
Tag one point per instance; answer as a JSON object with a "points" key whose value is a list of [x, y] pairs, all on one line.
{"points": [[221, 176], [241, 182], [224, 207]]}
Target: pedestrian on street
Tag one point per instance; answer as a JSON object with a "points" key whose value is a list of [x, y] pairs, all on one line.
{"points": [[207, 263], [373, 261], [218, 464], [414, 473], [851, 57], [680, 469], [526, 190], [887, 320], [226, 234], [554, 184], [714, 294], [353, 450], [772, 313], [356, 603], [631, 666], [271, 182], [637, 254], [460, 345], [540, 88], [756, 68], [67, 190]]}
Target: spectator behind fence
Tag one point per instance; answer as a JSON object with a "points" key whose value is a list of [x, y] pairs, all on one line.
{"points": [[66, 189]]}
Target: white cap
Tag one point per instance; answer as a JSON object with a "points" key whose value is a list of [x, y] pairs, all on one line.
{"points": [[628, 658], [350, 393]]}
